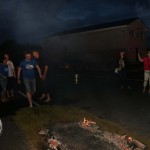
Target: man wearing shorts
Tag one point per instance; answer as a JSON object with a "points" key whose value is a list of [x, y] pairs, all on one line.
{"points": [[28, 67]]}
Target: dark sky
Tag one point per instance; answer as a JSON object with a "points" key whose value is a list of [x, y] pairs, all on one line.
{"points": [[33, 20]]}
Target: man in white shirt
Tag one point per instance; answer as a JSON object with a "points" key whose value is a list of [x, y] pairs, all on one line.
{"points": [[11, 76]]}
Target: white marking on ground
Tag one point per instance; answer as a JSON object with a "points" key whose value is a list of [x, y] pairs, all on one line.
{"points": [[21, 93]]}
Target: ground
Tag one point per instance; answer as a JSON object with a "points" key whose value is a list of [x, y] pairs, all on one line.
{"points": [[98, 93]]}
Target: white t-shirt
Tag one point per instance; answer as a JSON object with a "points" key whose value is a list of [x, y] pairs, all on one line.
{"points": [[10, 68]]}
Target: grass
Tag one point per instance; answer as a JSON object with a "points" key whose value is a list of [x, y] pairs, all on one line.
{"points": [[32, 120]]}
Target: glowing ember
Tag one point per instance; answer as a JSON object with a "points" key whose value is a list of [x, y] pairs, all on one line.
{"points": [[87, 123], [53, 143]]}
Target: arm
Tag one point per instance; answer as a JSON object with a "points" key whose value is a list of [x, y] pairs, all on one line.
{"points": [[45, 72], [39, 70], [19, 73], [14, 73], [140, 59]]}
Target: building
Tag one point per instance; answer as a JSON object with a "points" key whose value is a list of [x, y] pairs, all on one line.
{"points": [[99, 44]]}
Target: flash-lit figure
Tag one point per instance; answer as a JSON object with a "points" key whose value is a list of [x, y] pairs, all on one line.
{"points": [[146, 61], [28, 66]]}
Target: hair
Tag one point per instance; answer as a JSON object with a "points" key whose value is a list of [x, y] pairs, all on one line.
{"points": [[36, 51], [148, 51], [27, 52]]}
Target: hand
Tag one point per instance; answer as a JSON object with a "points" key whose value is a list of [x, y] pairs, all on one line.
{"points": [[19, 81], [41, 76], [44, 77]]}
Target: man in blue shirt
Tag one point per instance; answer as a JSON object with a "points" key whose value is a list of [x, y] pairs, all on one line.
{"points": [[28, 66]]}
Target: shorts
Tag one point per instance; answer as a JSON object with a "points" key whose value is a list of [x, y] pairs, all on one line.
{"points": [[30, 85]]}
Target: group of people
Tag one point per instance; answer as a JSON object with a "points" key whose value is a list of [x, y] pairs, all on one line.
{"points": [[122, 67], [32, 71], [7, 75]]}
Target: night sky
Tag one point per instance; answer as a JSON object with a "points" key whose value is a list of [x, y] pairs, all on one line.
{"points": [[33, 20]]}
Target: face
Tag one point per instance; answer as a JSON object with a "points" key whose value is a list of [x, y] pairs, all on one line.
{"points": [[122, 53], [6, 56], [148, 54], [35, 54], [4, 61], [28, 56]]}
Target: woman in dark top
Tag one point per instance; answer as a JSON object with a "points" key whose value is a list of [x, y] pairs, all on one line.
{"points": [[123, 71]]}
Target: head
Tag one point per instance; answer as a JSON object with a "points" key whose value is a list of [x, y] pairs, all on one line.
{"points": [[6, 56], [36, 54], [28, 55], [148, 54], [4, 60], [122, 53]]}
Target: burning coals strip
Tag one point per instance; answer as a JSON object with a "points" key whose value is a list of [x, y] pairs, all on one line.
{"points": [[121, 142]]}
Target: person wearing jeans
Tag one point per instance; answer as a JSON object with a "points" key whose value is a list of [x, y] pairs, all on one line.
{"points": [[28, 66], [3, 78]]}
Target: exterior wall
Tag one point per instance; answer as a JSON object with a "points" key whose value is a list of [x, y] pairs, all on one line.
{"points": [[99, 46], [137, 40]]}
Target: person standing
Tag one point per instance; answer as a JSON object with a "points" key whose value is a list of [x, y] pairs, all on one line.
{"points": [[28, 67], [11, 77], [3, 78], [123, 71], [43, 84], [146, 61]]}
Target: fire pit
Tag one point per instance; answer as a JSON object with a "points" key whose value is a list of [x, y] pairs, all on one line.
{"points": [[87, 135]]}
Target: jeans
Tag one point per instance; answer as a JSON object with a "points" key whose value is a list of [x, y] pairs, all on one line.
{"points": [[3, 84]]}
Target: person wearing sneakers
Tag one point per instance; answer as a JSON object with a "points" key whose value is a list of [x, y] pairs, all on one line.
{"points": [[42, 86], [28, 67], [3, 78], [146, 61], [11, 77]]}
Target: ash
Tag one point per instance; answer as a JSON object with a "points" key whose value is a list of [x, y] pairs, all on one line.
{"points": [[76, 136]]}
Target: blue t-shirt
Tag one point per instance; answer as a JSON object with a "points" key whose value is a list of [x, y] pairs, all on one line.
{"points": [[28, 68], [3, 70]]}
